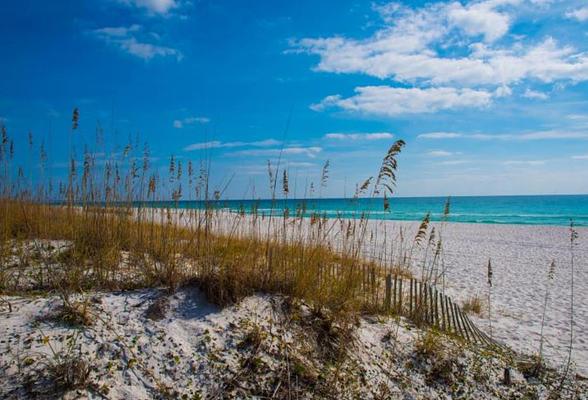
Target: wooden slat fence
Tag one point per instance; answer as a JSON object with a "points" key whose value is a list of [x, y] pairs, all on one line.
{"points": [[423, 303]]}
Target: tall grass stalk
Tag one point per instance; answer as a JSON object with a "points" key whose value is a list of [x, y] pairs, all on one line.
{"points": [[573, 241], [550, 276], [489, 275]]}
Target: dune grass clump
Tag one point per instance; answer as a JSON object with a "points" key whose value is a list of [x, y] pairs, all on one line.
{"points": [[429, 345], [440, 359], [60, 371], [158, 308], [473, 305], [70, 374], [74, 313]]}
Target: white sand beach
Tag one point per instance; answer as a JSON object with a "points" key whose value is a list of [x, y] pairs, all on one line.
{"points": [[520, 256], [189, 348], [142, 346]]}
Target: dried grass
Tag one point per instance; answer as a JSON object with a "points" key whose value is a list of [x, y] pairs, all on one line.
{"points": [[473, 305], [119, 241]]}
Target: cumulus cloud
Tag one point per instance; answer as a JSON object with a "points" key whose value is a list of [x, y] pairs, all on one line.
{"points": [[215, 144], [180, 123], [153, 6], [481, 18], [580, 14], [147, 51], [134, 41], [533, 94], [389, 101], [408, 49], [359, 136], [503, 91]]}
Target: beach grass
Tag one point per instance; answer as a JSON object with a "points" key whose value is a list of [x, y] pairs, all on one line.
{"points": [[113, 240]]}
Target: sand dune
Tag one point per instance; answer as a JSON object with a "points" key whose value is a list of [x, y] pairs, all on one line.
{"points": [[520, 256]]}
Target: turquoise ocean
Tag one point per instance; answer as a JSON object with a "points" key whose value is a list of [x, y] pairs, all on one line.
{"points": [[522, 210]]}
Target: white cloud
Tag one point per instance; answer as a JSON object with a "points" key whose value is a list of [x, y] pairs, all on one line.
{"points": [[119, 31], [132, 40], [527, 136], [200, 120], [147, 51], [454, 162], [359, 136], [440, 135], [440, 153], [153, 6], [260, 168], [389, 101], [481, 18], [550, 135], [407, 50], [301, 165], [180, 123], [580, 14], [533, 94], [524, 162], [215, 144], [503, 91], [577, 116], [581, 157], [310, 152]]}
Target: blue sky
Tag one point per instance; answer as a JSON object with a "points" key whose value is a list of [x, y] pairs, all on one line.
{"points": [[491, 96]]}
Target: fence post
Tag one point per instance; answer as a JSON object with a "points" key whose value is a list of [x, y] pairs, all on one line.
{"points": [[442, 298], [410, 297], [457, 321], [394, 301], [400, 296], [470, 326], [432, 301], [452, 312], [465, 328], [419, 307], [437, 309], [388, 292], [425, 300]]}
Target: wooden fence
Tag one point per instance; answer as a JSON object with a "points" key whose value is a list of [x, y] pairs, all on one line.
{"points": [[423, 303]]}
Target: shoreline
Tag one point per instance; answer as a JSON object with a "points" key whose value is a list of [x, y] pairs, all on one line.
{"points": [[551, 210]]}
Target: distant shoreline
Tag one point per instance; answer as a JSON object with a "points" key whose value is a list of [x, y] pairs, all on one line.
{"points": [[549, 210]]}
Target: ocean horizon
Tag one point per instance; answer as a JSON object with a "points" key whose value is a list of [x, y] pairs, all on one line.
{"points": [[557, 210]]}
